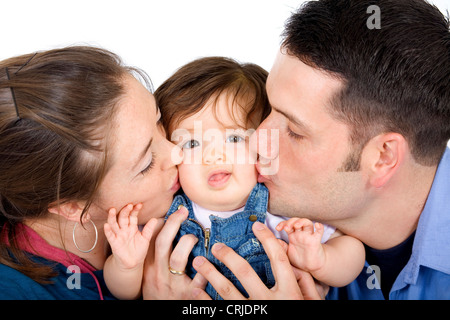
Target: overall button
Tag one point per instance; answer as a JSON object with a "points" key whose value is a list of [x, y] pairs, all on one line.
{"points": [[253, 218]]}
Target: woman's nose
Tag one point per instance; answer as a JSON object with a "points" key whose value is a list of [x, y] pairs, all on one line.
{"points": [[176, 154], [173, 155]]}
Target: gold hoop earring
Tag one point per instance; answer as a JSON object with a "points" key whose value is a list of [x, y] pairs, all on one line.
{"points": [[75, 241]]}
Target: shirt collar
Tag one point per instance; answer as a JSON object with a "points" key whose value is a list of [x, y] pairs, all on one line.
{"points": [[432, 238], [202, 214]]}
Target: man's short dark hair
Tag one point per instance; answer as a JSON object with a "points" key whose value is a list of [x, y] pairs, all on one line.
{"points": [[397, 78]]}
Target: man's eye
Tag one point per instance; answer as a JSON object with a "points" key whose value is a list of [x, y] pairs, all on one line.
{"points": [[234, 139], [190, 144]]}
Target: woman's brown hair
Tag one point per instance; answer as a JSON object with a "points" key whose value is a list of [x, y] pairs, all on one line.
{"points": [[55, 107], [188, 90]]}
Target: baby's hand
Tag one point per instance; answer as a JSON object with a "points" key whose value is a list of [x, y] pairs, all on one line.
{"points": [[305, 250], [128, 244]]}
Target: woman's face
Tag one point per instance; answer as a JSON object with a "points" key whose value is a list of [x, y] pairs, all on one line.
{"points": [[142, 170]]}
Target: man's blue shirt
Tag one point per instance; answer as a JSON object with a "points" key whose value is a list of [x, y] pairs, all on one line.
{"points": [[427, 273]]}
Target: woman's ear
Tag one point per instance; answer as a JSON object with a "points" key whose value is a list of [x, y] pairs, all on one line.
{"points": [[70, 210], [384, 155]]}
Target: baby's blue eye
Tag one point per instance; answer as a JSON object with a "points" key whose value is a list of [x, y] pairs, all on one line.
{"points": [[190, 144], [234, 139]]}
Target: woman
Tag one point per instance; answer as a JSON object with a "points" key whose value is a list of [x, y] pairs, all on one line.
{"points": [[80, 134]]}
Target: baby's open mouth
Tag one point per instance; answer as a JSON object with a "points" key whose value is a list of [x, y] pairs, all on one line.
{"points": [[218, 178]]}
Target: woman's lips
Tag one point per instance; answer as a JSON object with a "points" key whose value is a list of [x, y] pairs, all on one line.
{"points": [[218, 178], [175, 185]]}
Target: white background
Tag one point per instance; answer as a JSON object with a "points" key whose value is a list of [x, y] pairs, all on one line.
{"points": [[156, 36]]}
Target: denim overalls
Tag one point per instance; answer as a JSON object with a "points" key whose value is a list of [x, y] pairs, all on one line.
{"points": [[235, 232]]}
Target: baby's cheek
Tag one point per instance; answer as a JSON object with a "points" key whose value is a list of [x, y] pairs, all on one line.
{"points": [[247, 173], [191, 177], [184, 174]]}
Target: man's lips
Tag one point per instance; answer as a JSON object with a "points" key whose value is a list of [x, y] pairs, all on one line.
{"points": [[261, 178], [218, 178]]}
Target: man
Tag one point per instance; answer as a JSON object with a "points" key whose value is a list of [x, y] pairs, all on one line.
{"points": [[362, 120]]}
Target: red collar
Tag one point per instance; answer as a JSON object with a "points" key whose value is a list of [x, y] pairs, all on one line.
{"points": [[30, 241]]}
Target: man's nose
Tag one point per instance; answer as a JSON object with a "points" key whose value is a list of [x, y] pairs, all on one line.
{"points": [[265, 142]]}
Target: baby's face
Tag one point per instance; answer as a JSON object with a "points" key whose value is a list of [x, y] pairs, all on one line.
{"points": [[218, 171]]}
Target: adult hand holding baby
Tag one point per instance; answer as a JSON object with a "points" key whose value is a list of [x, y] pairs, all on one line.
{"points": [[289, 284], [164, 276]]}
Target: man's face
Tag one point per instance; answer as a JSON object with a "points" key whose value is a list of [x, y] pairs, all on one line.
{"points": [[302, 148]]}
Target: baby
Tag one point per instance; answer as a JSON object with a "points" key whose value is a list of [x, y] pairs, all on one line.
{"points": [[209, 108]]}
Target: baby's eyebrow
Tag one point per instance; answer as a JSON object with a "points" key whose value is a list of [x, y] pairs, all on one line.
{"points": [[182, 131], [235, 127], [178, 133]]}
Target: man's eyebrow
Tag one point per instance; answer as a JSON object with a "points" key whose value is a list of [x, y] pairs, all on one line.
{"points": [[143, 153], [293, 119]]}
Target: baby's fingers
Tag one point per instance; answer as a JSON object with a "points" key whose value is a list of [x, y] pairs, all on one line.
{"points": [[281, 225], [124, 216], [134, 215], [287, 225], [304, 225], [112, 221], [149, 229], [108, 232], [319, 230]]}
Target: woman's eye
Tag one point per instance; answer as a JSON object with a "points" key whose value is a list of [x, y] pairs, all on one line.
{"points": [[292, 134], [190, 144], [234, 139], [150, 165]]}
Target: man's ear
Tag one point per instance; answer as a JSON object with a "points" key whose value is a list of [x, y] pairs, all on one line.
{"points": [[384, 155], [70, 210]]}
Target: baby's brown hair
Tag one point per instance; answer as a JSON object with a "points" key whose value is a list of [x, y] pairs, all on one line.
{"points": [[188, 90]]}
